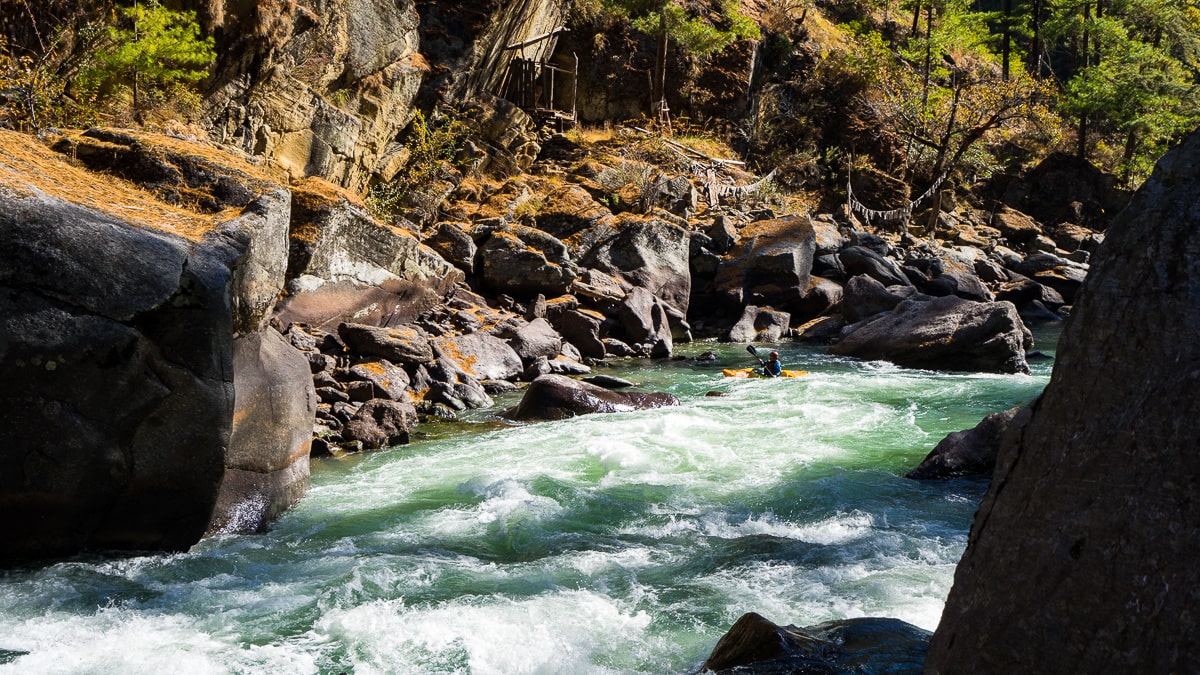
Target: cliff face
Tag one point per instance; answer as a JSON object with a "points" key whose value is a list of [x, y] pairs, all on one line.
{"points": [[1083, 554], [324, 87]]}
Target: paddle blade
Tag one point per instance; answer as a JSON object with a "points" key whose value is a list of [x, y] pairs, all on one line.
{"points": [[752, 350]]}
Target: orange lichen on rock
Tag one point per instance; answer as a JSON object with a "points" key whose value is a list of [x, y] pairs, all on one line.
{"points": [[28, 167]]}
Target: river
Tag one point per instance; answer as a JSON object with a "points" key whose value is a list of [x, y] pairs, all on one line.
{"points": [[624, 543]]}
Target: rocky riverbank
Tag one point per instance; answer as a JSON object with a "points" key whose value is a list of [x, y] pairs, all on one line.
{"points": [[329, 325]]}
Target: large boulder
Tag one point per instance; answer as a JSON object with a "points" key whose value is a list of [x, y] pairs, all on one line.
{"points": [[538, 338], [405, 345], [946, 333], [276, 403], [759, 324], [770, 265], [137, 373], [480, 355], [755, 644], [863, 297], [970, 452], [652, 254], [1083, 553], [644, 321], [556, 397], [857, 260], [525, 265]]}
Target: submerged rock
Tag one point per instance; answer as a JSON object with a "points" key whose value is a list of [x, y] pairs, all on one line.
{"points": [[758, 646], [556, 397]]}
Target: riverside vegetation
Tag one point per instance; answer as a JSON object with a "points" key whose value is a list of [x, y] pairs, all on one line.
{"points": [[332, 232]]}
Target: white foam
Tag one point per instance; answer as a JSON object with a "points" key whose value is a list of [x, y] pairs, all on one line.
{"points": [[561, 632]]}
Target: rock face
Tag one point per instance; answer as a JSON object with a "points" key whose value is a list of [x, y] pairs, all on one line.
{"points": [[1083, 554], [147, 399], [946, 333], [757, 645], [970, 452], [325, 88], [556, 397]]}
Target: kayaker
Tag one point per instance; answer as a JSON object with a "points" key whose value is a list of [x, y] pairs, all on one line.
{"points": [[772, 367]]}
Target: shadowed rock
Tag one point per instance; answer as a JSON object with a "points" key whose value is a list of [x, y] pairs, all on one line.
{"points": [[1082, 557], [970, 452], [758, 646]]}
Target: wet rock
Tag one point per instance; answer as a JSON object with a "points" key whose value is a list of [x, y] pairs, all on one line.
{"points": [[617, 348], [556, 397], [498, 387], [609, 382], [561, 365], [970, 452], [942, 334], [868, 645]]}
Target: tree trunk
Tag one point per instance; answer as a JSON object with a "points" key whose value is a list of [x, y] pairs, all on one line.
{"points": [[1006, 38], [660, 64], [1035, 49], [916, 22]]}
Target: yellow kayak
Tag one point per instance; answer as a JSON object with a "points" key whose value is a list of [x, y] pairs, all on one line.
{"points": [[757, 372]]}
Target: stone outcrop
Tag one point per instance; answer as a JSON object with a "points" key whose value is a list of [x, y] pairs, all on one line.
{"points": [[946, 333], [556, 397], [1082, 557], [148, 399]]}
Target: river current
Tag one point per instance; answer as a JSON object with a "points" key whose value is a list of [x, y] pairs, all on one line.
{"points": [[624, 543]]}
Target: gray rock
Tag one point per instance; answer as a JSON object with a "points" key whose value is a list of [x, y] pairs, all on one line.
{"points": [[609, 382], [482, 356], [386, 380], [380, 424], [857, 260], [538, 338], [864, 297], [942, 334], [582, 329], [760, 325], [651, 254], [408, 345], [644, 322]]}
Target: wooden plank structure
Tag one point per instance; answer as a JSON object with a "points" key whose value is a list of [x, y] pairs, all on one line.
{"points": [[532, 81]]}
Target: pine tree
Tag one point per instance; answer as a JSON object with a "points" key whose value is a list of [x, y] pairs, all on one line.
{"points": [[154, 52]]}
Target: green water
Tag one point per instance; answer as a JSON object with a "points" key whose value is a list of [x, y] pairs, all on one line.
{"points": [[620, 543]]}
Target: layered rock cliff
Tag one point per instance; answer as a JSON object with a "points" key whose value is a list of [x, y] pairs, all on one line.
{"points": [[1083, 554]]}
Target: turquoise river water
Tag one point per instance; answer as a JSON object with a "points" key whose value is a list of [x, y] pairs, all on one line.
{"points": [[624, 543]]}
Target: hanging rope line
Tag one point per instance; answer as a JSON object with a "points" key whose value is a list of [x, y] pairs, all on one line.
{"points": [[902, 213]]}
